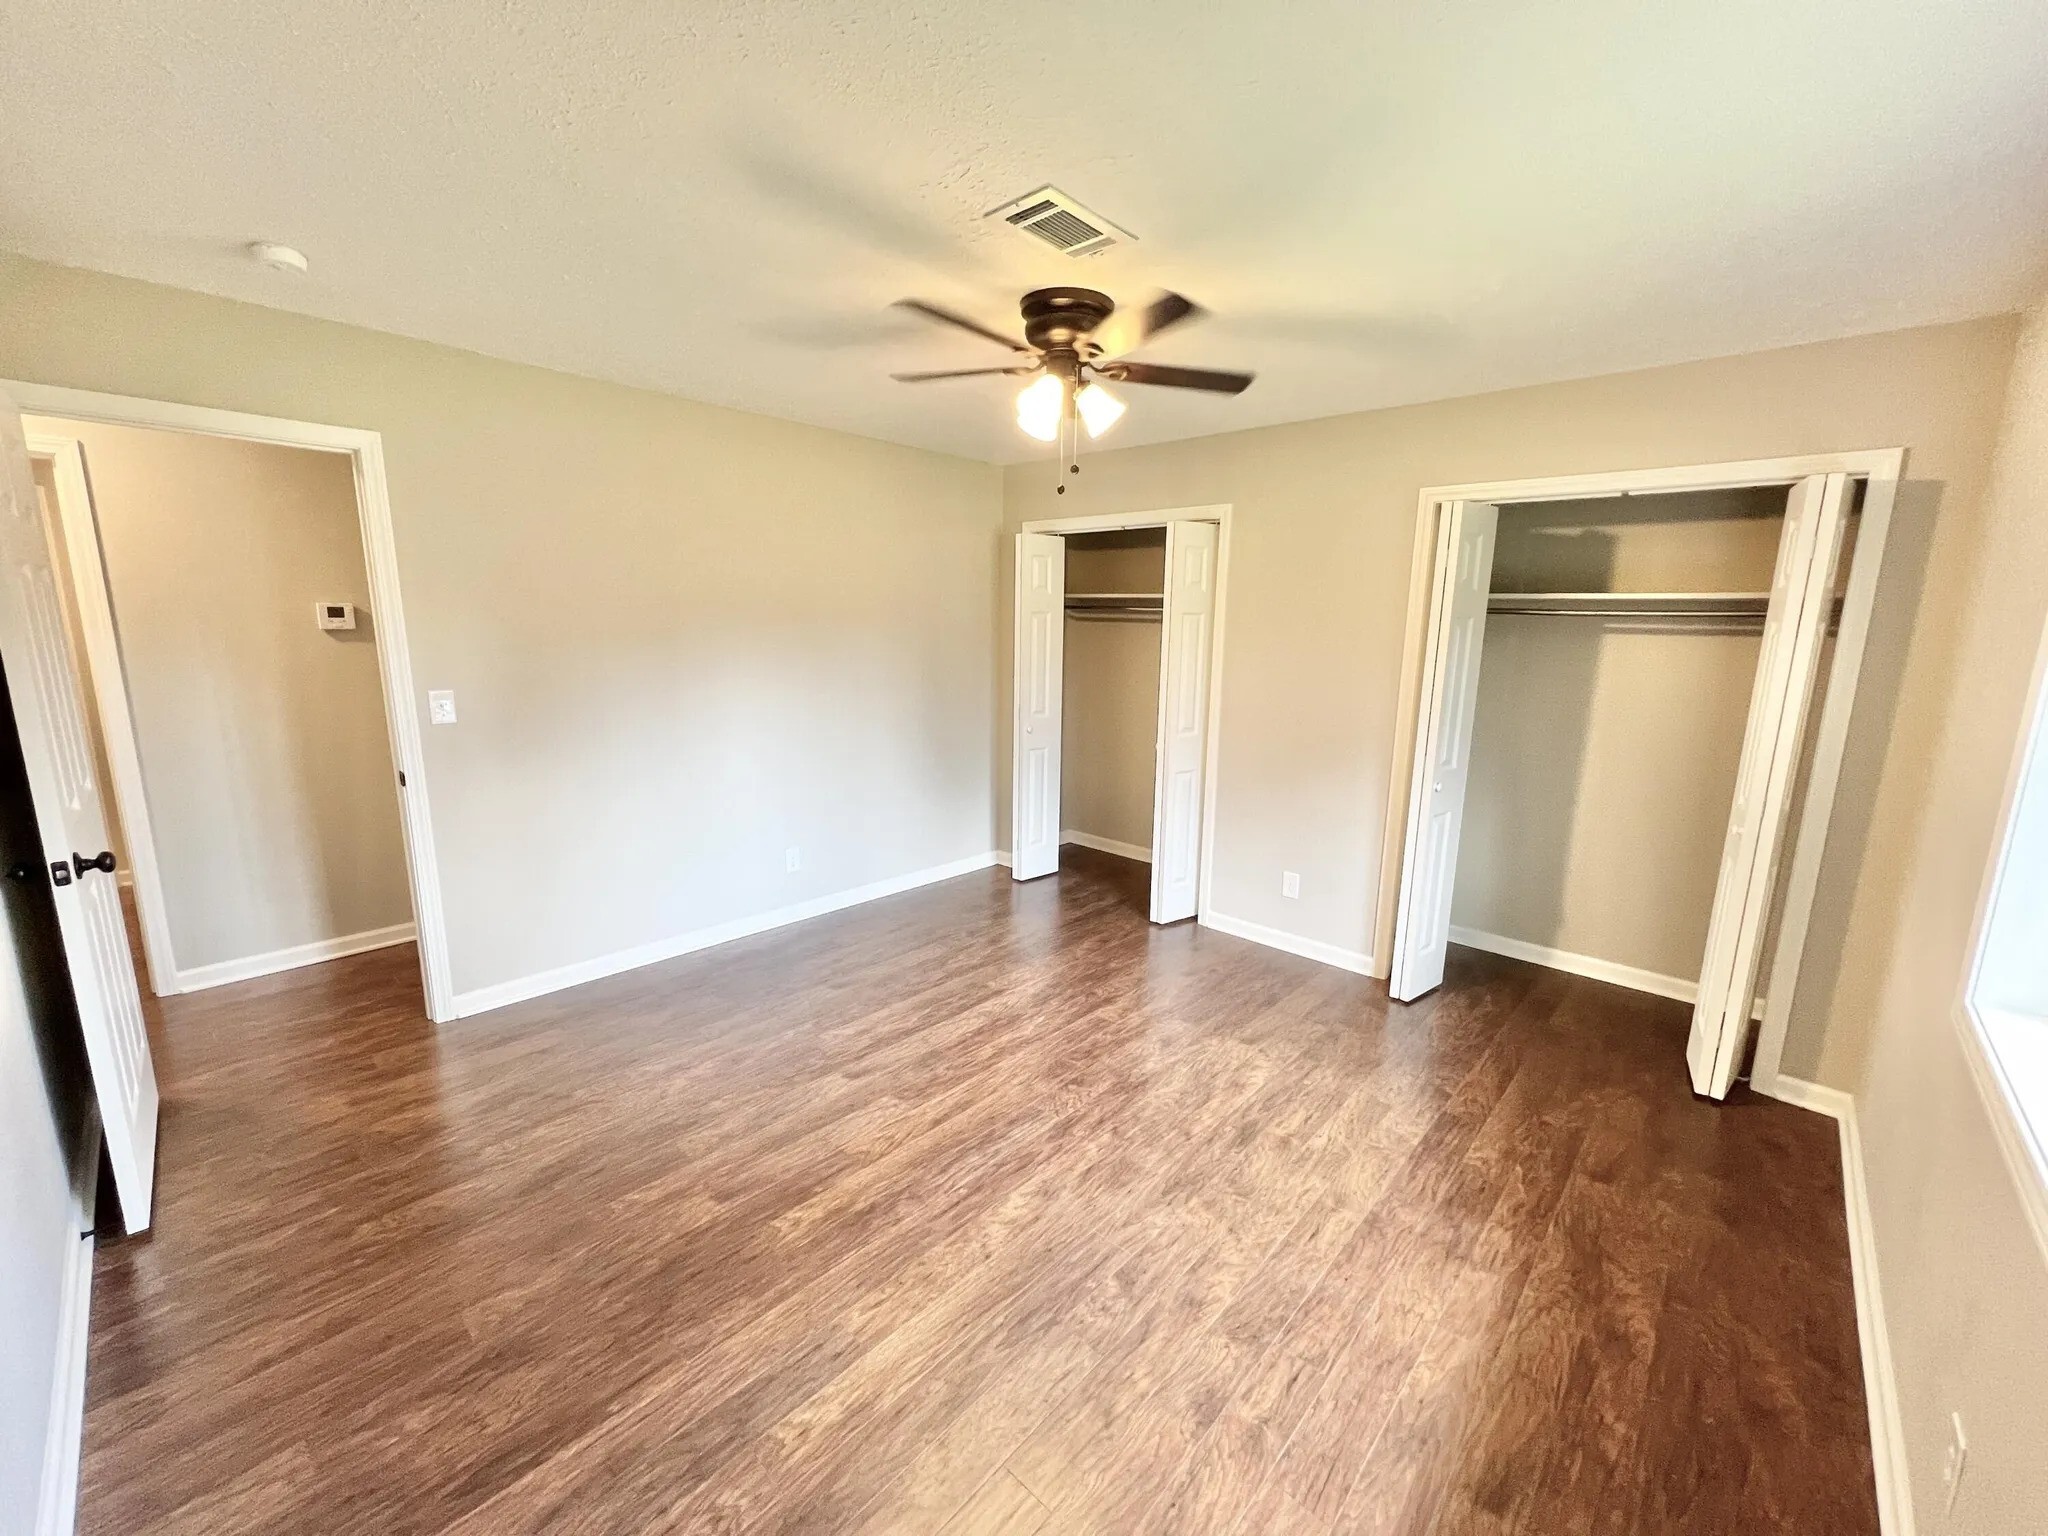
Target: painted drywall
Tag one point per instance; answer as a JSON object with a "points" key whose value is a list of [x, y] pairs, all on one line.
{"points": [[1322, 545], [1965, 1281], [47, 1151], [1110, 726], [681, 639], [74, 631], [1604, 750], [266, 761]]}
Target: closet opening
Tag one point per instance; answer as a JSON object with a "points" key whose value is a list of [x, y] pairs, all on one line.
{"points": [[1631, 698], [1116, 651]]}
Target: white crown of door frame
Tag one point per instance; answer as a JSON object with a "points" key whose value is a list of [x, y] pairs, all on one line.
{"points": [[1219, 514], [373, 503], [1880, 469]]}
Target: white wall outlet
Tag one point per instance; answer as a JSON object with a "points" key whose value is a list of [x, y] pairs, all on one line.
{"points": [[441, 706], [1290, 885], [792, 859], [1958, 1456]]}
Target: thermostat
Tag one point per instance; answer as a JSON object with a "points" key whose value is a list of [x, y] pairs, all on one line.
{"points": [[335, 615]]}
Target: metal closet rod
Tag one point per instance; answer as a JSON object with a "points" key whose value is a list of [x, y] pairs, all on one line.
{"points": [[1628, 611]]}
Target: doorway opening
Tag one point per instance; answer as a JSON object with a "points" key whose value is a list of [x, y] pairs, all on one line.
{"points": [[1648, 756], [217, 597], [1117, 653], [52, 542]]}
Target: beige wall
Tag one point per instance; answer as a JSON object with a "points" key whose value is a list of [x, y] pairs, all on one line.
{"points": [[1110, 729], [48, 1147], [265, 756], [1322, 541], [1965, 1282], [682, 639], [1603, 750]]}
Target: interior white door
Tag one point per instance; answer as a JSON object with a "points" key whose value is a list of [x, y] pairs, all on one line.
{"points": [[1443, 746], [1802, 600], [50, 718], [1035, 735], [1187, 638]]}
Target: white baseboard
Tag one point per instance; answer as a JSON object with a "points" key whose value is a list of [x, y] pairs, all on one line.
{"points": [[1107, 845], [1631, 976], [57, 1503], [200, 977], [1634, 977], [503, 994], [1293, 943], [1880, 1387]]}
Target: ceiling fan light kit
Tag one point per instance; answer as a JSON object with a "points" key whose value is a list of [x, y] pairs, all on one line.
{"points": [[1040, 405], [1074, 337]]}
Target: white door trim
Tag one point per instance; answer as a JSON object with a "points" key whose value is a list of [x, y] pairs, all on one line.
{"points": [[401, 713], [1880, 469], [1218, 513]]}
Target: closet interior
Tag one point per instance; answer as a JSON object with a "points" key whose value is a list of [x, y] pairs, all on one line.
{"points": [[1622, 641], [1115, 598]]}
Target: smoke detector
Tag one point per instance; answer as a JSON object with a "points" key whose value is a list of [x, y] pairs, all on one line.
{"points": [[1061, 223], [279, 258]]}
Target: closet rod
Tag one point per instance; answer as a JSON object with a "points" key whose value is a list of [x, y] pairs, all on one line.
{"points": [[1721, 606], [1620, 611]]}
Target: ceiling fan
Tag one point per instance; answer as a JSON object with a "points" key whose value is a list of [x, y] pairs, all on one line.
{"points": [[1073, 339]]}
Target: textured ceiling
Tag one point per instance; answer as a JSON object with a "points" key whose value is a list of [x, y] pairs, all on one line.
{"points": [[1382, 202]]}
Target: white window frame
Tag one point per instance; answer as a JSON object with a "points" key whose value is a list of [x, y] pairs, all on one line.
{"points": [[2008, 1050]]}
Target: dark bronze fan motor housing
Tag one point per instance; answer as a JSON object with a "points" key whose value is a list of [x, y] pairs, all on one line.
{"points": [[1074, 332]]}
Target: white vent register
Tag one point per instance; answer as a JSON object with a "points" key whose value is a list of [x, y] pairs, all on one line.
{"points": [[1061, 222]]}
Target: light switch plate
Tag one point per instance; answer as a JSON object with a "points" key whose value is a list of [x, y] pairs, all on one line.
{"points": [[441, 706]]}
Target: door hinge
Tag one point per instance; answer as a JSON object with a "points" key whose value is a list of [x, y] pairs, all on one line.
{"points": [[401, 778]]}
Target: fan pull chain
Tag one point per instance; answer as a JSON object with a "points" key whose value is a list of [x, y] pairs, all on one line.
{"points": [[1069, 445]]}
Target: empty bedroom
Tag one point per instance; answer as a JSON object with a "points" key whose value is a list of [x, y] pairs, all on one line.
{"points": [[1024, 769]]}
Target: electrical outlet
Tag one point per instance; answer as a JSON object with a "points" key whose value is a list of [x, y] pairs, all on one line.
{"points": [[1958, 1457], [792, 859], [441, 706], [1290, 885]]}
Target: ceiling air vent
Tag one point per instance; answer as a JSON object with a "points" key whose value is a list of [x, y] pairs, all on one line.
{"points": [[1061, 222]]}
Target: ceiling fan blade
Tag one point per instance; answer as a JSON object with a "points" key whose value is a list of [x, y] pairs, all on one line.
{"points": [[947, 317], [1129, 329], [1179, 378], [956, 373]]}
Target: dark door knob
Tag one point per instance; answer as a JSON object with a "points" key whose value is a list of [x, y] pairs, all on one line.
{"points": [[104, 863]]}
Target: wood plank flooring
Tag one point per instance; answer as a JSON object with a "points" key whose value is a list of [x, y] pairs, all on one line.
{"points": [[985, 1208]]}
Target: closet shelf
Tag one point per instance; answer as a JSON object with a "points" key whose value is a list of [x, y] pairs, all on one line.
{"points": [[1115, 605], [1635, 605]]}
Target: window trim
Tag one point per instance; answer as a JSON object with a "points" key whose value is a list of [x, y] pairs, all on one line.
{"points": [[2019, 1118]]}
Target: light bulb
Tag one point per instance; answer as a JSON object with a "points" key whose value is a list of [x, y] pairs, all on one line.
{"points": [[1039, 405], [1099, 409]]}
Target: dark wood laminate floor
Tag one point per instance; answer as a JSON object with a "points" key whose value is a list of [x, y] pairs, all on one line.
{"points": [[983, 1208]]}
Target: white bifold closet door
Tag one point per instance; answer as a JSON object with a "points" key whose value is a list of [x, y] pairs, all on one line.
{"points": [[1802, 601], [1443, 745], [1035, 733], [1188, 635], [50, 718]]}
